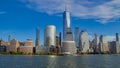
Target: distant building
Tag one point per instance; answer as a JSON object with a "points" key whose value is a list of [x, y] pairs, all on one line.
{"points": [[60, 38], [9, 38], [76, 36], [117, 43], [27, 47], [50, 37], [112, 47], [28, 42], [84, 42], [103, 44], [68, 47], [69, 35], [94, 44], [39, 49], [37, 41], [2, 47], [66, 22], [68, 44], [58, 44], [14, 44]]}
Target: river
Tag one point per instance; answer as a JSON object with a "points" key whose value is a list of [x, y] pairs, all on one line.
{"points": [[85, 61]]}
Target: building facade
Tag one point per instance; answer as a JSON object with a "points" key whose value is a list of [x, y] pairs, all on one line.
{"points": [[117, 43], [27, 47], [66, 21], [84, 42], [13, 47], [103, 44], [37, 41], [68, 44], [49, 37]]}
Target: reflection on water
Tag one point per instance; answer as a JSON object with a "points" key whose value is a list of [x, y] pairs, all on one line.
{"points": [[91, 61]]}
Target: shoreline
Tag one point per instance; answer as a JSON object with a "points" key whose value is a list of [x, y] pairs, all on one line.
{"points": [[53, 55]]}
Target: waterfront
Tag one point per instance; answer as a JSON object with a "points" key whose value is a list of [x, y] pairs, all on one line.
{"points": [[85, 61]]}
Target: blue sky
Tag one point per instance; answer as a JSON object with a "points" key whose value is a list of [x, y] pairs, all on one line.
{"points": [[20, 18]]}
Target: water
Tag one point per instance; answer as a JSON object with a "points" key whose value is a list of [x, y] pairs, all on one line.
{"points": [[90, 61]]}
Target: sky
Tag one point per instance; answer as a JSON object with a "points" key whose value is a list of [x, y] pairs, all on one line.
{"points": [[20, 18]]}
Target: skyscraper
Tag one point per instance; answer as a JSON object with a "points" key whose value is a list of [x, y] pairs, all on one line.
{"points": [[66, 21], [84, 42], [9, 38], [76, 36], [69, 35], [103, 44], [68, 44], [117, 48], [60, 38], [37, 41], [94, 43], [117, 37], [50, 36]]}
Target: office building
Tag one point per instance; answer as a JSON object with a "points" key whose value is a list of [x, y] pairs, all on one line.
{"points": [[103, 44], [68, 44], [2, 46], [40, 49], [117, 43], [84, 42], [68, 47], [9, 38], [27, 47], [66, 21], [112, 47], [14, 44], [76, 37], [94, 43], [37, 41], [49, 37]]}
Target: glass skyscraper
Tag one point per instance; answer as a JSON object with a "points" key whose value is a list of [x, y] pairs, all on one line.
{"points": [[66, 22]]}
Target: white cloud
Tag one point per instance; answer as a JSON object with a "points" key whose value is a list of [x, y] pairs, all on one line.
{"points": [[103, 11], [111, 38]]}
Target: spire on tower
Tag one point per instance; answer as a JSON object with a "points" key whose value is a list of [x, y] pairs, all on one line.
{"points": [[66, 8]]}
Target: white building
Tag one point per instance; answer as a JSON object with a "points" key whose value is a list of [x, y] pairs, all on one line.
{"points": [[84, 42], [103, 44], [50, 36]]}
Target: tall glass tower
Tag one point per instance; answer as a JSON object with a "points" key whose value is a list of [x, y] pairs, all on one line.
{"points": [[117, 43], [76, 35], [66, 22], [50, 35], [37, 42], [9, 38], [117, 37]]}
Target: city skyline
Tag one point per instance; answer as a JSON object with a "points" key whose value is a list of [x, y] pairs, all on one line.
{"points": [[20, 21]]}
